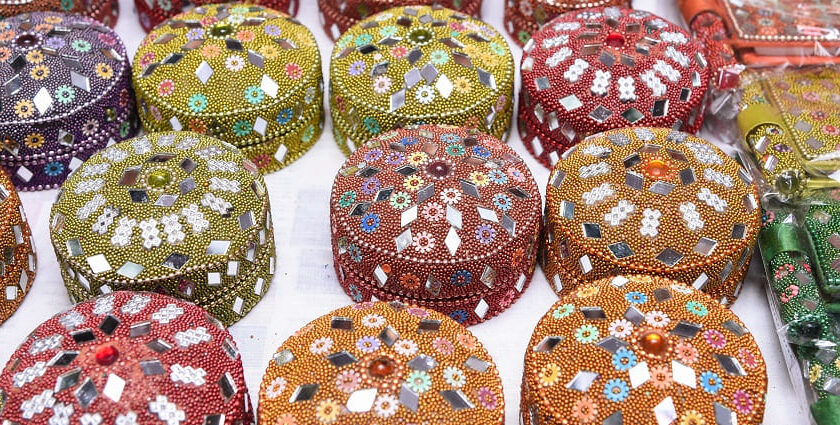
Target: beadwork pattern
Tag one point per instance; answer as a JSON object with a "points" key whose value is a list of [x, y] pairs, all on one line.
{"points": [[66, 93], [597, 69], [104, 11], [443, 217], [650, 201], [525, 17], [245, 74], [642, 350], [18, 262], [789, 120], [177, 213], [339, 15], [381, 363], [419, 65], [152, 12], [127, 358]]}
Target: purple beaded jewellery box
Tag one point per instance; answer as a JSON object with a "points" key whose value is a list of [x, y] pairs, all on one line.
{"points": [[65, 93]]}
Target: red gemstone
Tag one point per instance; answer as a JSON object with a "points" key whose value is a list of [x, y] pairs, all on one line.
{"points": [[614, 40], [106, 355], [381, 367]]}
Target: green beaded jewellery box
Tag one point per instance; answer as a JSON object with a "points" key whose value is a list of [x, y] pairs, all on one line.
{"points": [[176, 213]]}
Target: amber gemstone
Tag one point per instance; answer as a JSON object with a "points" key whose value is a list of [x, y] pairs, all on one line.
{"points": [[654, 343], [159, 179], [106, 355], [381, 367], [657, 168]]}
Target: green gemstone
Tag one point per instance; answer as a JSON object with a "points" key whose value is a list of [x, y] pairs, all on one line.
{"points": [[159, 179], [221, 30], [421, 36]]}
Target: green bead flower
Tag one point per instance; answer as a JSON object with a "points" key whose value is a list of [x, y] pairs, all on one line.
{"points": [[439, 57], [372, 125], [66, 4], [125, 127], [563, 311], [388, 31], [455, 149], [254, 95], [419, 381], [586, 334], [65, 94], [81, 46], [308, 134], [198, 102], [497, 48], [347, 199], [242, 128], [696, 308], [400, 200]]}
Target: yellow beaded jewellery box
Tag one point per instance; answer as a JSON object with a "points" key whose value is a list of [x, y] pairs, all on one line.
{"points": [[245, 74], [419, 65], [176, 213]]}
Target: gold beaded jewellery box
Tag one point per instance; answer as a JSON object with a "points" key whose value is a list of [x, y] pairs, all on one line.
{"points": [[386, 364], [419, 65], [790, 121], [339, 15], [127, 358], [642, 350], [175, 213], [245, 74], [104, 11], [18, 262], [437, 216], [523, 18], [650, 201]]}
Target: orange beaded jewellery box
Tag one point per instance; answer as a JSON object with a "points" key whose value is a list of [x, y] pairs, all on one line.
{"points": [[650, 201], [442, 217], [642, 350], [18, 262], [385, 364]]}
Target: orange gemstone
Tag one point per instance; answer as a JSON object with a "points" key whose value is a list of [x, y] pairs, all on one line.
{"points": [[381, 367], [654, 343], [657, 168]]}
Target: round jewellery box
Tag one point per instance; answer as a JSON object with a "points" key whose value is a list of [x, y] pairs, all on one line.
{"points": [[339, 15], [104, 11], [419, 65], [245, 74], [523, 18], [127, 358], [382, 363], [175, 213], [152, 12], [642, 350], [65, 87], [442, 217], [18, 262], [650, 201], [598, 69]]}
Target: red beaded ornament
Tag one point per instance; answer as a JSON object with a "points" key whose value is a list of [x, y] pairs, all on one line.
{"points": [[127, 358], [442, 217], [598, 69], [525, 17]]}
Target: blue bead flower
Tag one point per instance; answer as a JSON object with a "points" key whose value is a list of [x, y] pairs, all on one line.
{"points": [[355, 294], [450, 138], [623, 359], [461, 278], [710, 382], [616, 390], [636, 297], [284, 116], [370, 222], [459, 316], [54, 169], [481, 151], [502, 201], [408, 141], [355, 253], [498, 177]]}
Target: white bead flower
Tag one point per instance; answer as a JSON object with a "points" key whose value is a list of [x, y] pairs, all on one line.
{"points": [[650, 222], [619, 213], [601, 82], [653, 82], [626, 89], [425, 94], [576, 70], [691, 216]]}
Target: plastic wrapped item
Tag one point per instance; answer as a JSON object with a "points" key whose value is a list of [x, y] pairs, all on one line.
{"points": [[772, 32], [790, 121], [800, 296]]}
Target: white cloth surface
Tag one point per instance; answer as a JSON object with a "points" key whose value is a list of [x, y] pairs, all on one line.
{"points": [[305, 286]]}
